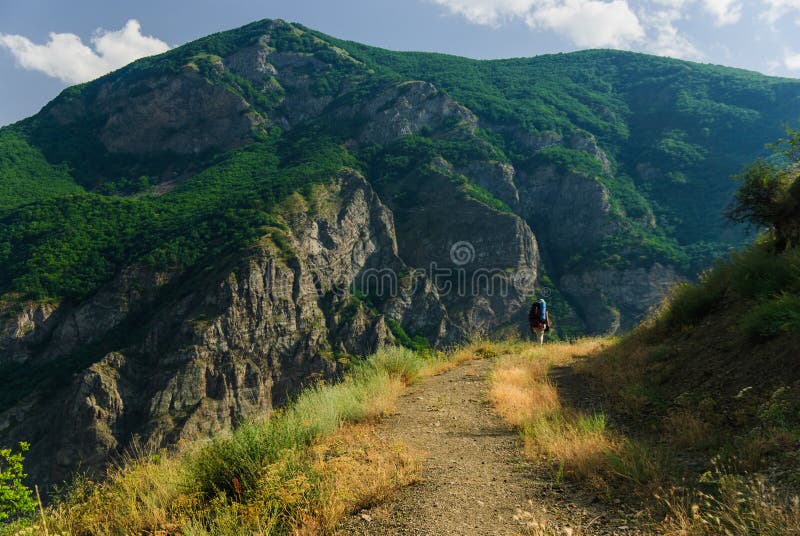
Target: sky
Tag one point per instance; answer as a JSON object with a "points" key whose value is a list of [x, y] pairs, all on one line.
{"points": [[47, 45]]}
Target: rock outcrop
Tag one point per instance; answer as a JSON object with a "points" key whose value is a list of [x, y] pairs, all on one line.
{"points": [[611, 299], [408, 108], [219, 348]]}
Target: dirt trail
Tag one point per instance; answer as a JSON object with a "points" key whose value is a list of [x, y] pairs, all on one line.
{"points": [[474, 479]]}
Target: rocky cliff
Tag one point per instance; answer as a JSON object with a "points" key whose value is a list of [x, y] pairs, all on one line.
{"points": [[207, 350]]}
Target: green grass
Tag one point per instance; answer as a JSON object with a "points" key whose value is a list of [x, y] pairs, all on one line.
{"points": [[316, 412], [762, 284]]}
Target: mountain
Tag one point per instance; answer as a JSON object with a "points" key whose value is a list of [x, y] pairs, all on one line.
{"points": [[190, 239]]}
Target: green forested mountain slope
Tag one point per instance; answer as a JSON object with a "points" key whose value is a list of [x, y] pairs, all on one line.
{"points": [[675, 131], [671, 134]]}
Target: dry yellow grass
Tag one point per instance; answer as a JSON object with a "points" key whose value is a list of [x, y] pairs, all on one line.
{"points": [[742, 505], [519, 384], [479, 349], [684, 429], [352, 469], [359, 469], [621, 371], [523, 395], [384, 400], [579, 445], [443, 362], [520, 392], [582, 449], [144, 497]]}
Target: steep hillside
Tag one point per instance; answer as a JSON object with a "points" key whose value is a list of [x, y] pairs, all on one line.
{"points": [[716, 374], [190, 239], [718, 368]]}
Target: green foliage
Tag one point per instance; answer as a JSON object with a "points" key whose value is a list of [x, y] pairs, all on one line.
{"points": [[418, 343], [70, 246], [763, 284], [15, 498], [26, 176], [567, 161], [477, 193], [774, 316], [675, 147], [687, 304], [769, 195], [782, 409]]}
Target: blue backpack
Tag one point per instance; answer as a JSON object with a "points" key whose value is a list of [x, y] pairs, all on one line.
{"points": [[542, 310]]}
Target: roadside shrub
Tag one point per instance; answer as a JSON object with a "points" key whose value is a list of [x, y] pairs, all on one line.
{"points": [[687, 304], [758, 272], [773, 317], [395, 361], [15, 497]]}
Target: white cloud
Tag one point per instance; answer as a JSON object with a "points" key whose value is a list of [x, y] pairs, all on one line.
{"points": [[590, 23], [665, 38], [777, 9], [650, 25], [65, 56], [791, 61], [490, 12], [587, 23], [724, 11]]}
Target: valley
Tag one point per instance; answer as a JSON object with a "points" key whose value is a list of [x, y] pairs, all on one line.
{"points": [[196, 245]]}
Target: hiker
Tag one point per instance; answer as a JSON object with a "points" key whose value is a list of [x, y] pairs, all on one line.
{"points": [[539, 319]]}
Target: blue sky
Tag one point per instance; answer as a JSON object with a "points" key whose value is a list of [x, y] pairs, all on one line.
{"points": [[46, 45]]}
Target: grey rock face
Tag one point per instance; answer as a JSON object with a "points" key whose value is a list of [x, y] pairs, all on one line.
{"points": [[291, 76], [67, 327], [488, 259], [497, 178], [185, 115], [23, 327], [253, 63], [408, 108], [571, 210], [221, 347], [571, 213], [181, 113], [587, 143], [610, 299]]}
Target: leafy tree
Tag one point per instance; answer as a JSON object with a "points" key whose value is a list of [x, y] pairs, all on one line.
{"points": [[15, 497], [769, 196]]}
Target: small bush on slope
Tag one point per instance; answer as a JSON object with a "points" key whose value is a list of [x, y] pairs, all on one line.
{"points": [[15, 497]]}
